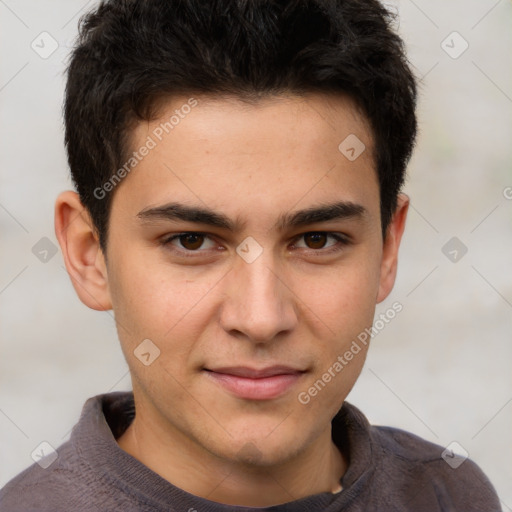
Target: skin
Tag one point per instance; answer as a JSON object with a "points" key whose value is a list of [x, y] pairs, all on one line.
{"points": [[300, 303]]}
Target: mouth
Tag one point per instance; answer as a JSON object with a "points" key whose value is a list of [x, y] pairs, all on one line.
{"points": [[256, 384]]}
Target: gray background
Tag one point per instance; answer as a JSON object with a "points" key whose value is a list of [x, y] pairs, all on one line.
{"points": [[440, 369]]}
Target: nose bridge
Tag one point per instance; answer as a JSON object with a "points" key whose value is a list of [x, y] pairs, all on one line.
{"points": [[261, 281], [259, 305]]}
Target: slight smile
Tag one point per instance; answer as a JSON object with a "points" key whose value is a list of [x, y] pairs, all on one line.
{"points": [[251, 384]]}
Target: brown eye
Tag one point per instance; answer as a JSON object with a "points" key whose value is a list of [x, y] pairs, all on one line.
{"points": [[315, 240], [191, 241], [322, 243]]}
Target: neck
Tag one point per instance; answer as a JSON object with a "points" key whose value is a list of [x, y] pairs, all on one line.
{"points": [[317, 469]]}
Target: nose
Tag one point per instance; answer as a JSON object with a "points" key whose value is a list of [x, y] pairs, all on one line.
{"points": [[259, 304]]}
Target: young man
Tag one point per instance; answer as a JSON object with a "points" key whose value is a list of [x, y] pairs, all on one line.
{"points": [[238, 167]]}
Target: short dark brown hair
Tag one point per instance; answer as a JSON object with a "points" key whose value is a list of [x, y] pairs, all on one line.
{"points": [[131, 54]]}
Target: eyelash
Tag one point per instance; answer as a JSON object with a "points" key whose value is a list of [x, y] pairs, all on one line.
{"points": [[343, 241]]}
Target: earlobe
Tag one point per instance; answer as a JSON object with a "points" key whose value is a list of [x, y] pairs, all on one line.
{"points": [[394, 234], [81, 250]]}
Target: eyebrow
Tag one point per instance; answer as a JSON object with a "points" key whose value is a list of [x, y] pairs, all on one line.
{"points": [[323, 213], [201, 215]]}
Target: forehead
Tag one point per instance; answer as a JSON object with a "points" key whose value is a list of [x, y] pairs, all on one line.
{"points": [[229, 153], [307, 118]]}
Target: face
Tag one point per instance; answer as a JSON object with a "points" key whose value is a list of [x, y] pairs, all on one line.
{"points": [[248, 248]]}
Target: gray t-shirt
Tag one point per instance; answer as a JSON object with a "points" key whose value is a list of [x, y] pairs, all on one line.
{"points": [[389, 470]]}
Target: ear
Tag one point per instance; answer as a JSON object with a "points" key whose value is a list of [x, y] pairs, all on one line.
{"points": [[81, 250], [394, 234]]}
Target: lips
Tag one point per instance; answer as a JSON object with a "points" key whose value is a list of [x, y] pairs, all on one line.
{"points": [[256, 384]]}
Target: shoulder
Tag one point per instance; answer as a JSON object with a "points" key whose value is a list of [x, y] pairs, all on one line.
{"points": [[79, 475], [42, 487], [400, 471], [455, 481]]}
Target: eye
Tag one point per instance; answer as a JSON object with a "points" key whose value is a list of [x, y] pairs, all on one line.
{"points": [[190, 241], [318, 240]]}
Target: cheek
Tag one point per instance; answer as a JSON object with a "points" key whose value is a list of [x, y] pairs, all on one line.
{"points": [[160, 303], [344, 305], [344, 299]]}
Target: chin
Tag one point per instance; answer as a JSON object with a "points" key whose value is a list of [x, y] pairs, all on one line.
{"points": [[256, 455], [262, 451]]}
